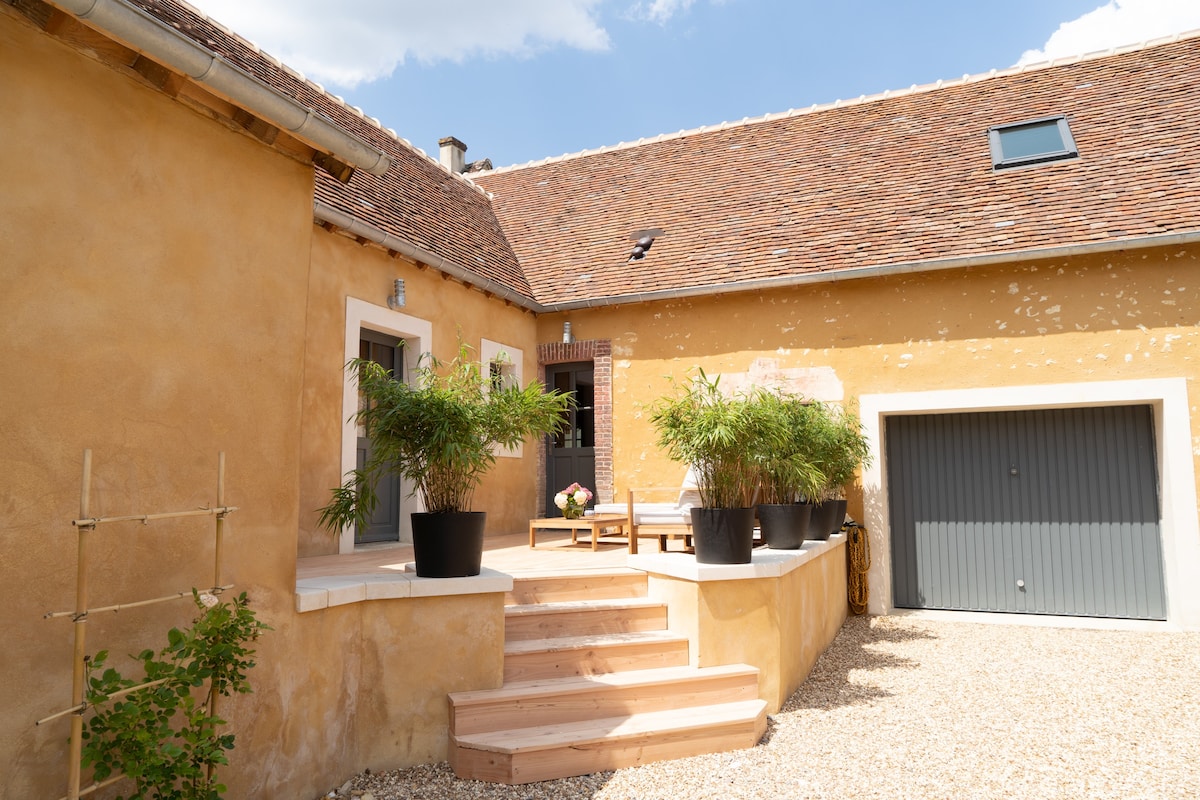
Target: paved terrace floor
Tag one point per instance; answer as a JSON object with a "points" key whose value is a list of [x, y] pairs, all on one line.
{"points": [[507, 553]]}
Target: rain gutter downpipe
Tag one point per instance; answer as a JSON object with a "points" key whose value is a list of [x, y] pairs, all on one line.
{"points": [[171, 48], [324, 212]]}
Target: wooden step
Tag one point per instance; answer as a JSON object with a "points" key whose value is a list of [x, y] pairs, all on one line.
{"points": [[553, 702], [558, 586], [572, 656], [525, 755], [583, 617]]}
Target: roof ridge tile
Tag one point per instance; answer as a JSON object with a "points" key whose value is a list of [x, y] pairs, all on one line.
{"points": [[886, 94]]}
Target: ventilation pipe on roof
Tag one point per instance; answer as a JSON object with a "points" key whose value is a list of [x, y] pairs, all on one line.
{"points": [[452, 154], [159, 41]]}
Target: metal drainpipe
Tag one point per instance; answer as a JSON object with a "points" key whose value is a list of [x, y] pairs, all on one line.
{"points": [[168, 46]]}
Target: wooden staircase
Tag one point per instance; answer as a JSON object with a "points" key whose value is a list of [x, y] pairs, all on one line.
{"points": [[594, 681]]}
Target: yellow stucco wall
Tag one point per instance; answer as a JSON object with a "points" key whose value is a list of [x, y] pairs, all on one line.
{"points": [[778, 624], [1114, 316], [156, 275]]}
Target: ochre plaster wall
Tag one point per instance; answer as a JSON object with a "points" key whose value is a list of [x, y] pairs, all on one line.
{"points": [[156, 273], [1117, 316], [778, 624], [343, 268], [155, 270]]}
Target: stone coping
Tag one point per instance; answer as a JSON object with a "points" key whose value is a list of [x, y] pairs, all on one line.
{"points": [[765, 563], [313, 594]]}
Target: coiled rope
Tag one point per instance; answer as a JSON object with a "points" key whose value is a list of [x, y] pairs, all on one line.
{"points": [[858, 559]]}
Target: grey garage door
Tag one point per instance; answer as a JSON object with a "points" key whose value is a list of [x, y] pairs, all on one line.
{"points": [[1036, 512]]}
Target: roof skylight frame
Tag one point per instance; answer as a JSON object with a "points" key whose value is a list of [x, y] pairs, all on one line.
{"points": [[1069, 149]]}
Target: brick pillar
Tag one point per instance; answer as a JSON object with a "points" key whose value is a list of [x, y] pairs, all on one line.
{"points": [[599, 352]]}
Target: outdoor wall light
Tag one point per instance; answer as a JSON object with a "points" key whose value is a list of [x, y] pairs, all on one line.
{"points": [[396, 299], [568, 337]]}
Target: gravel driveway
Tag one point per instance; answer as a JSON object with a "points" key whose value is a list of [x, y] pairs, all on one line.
{"points": [[907, 708]]}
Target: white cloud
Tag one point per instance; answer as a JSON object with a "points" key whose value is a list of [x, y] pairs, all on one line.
{"points": [[659, 10], [357, 41], [1116, 23]]}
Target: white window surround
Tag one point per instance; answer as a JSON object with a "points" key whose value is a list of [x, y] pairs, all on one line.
{"points": [[490, 351], [1177, 484], [418, 338]]}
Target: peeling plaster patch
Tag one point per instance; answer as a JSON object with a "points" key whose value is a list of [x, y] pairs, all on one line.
{"points": [[1173, 337], [1042, 330], [1079, 327], [943, 331], [1129, 358], [1101, 357], [1054, 310], [1013, 288], [624, 363], [1168, 302], [1017, 351], [788, 329], [1000, 326], [906, 357], [831, 319]]}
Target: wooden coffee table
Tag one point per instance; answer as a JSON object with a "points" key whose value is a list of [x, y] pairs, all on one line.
{"points": [[594, 523]]}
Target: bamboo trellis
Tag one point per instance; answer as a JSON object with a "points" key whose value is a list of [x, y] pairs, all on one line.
{"points": [[86, 525]]}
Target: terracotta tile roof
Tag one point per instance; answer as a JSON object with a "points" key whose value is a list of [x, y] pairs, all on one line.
{"points": [[890, 180], [417, 200]]}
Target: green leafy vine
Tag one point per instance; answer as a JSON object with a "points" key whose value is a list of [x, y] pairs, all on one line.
{"points": [[165, 737]]}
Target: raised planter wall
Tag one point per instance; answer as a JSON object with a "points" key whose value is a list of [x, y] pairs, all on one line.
{"points": [[778, 613]]}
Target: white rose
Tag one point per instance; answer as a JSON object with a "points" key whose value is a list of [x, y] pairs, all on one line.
{"points": [[560, 500], [580, 497]]}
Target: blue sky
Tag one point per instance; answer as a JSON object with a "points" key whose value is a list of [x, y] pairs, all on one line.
{"points": [[522, 80]]}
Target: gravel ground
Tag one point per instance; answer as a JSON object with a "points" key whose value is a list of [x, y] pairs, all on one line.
{"points": [[906, 708]]}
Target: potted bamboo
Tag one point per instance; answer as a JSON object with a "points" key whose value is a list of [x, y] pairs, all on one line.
{"points": [[717, 434], [838, 445], [787, 474], [441, 432]]}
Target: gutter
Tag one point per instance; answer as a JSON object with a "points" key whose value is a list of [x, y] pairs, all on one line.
{"points": [[171, 48], [908, 267], [324, 212]]}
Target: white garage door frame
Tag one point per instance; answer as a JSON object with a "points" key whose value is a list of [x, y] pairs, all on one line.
{"points": [[1180, 524]]}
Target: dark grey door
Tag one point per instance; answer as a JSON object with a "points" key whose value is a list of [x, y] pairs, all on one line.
{"points": [[385, 523], [1037, 512], [571, 455]]}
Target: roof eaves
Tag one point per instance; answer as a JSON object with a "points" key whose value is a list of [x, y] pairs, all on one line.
{"points": [[324, 212], [880, 270]]}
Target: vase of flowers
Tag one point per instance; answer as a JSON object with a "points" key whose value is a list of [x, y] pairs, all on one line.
{"points": [[573, 500]]}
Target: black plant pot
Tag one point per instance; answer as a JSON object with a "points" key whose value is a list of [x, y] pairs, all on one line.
{"points": [[827, 519], [839, 516], [723, 535], [784, 526], [820, 524], [448, 544]]}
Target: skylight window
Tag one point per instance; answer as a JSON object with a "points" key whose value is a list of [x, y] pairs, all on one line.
{"points": [[1031, 142]]}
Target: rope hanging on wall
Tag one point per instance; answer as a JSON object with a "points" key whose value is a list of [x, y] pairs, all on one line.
{"points": [[858, 557]]}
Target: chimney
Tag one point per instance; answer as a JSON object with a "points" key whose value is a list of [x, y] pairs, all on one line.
{"points": [[453, 153]]}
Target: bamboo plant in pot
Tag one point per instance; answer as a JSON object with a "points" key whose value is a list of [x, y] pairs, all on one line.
{"points": [[787, 472], [717, 434], [839, 446], [441, 431]]}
